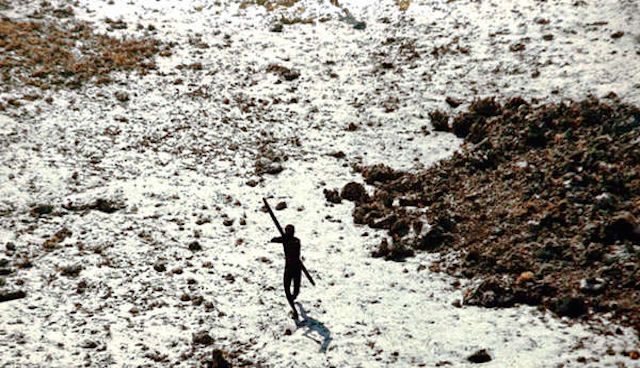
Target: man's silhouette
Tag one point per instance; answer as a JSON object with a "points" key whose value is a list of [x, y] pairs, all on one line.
{"points": [[293, 265]]}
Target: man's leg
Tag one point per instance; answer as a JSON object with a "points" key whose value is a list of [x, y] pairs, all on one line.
{"points": [[297, 274], [287, 291]]}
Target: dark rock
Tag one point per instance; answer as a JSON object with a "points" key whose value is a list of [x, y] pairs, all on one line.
{"points": [[57, 238], [384, 222], [89, 344], [396, 251], [380, 173], [10, 247], [7, 295], [332, 196], [202, 338], [227, 222], [217, 360], [570, 306], [463, 123], [434, 238], [400, 228], [278, 27], [107, 206], [195, 246], [122, 96], [621, 227], [440, 121], [354, 192], [42, 209], [281, 206], [6, 271], [517, 47], [593, 285], [338, 154], [359, 26], [284, 72], [386, 65], [160, 266], [480, 356], [486, 107], [453, 102], [71, 270], [617, 34]]}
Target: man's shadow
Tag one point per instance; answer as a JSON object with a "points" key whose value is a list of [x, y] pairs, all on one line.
{"points": [[314, 327]]}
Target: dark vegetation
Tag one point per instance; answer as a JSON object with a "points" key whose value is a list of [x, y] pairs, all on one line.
{"points": [[55, 51], [542, 205]]}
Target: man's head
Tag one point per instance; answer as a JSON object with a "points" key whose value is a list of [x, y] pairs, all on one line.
{"points": [[289, 230]]}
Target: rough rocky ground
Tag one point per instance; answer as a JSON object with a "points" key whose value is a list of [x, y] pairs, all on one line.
{"points": [[542, 203], [131, 213]]}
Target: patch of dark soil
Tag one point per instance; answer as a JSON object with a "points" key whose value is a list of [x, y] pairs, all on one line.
{"points": [[52, 53], [543, 203]]}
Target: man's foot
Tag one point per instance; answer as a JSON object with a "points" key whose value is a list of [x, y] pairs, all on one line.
{"points": [[293, 314]]}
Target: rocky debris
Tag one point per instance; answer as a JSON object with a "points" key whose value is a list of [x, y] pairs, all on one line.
{"points": [[202, 338], [542, 202], [352, 127], [7, 295], [395, 251], [57, 238], [283, 72], [121, 96], [332, 195], [101, 204], [622, 226], [440, 121], [453, 102], [217, 360], [281, 206], [160, 266], [593, 285], [195, 246], [570, 306], [41, 210], [227, 222], [269, 161], [616, 35], [360, 25], [354, 192], [88, 344], [277, 28], [338, 154], [71, 270], [379, 173], [480, 356]]}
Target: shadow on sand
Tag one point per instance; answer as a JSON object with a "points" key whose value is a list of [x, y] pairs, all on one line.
{"points": [[315, 330]]}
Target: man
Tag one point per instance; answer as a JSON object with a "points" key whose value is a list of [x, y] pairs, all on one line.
{"points": [[293, 265]]}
